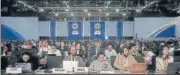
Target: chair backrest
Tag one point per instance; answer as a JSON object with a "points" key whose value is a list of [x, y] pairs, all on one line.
{"points": [[112, 59], [54, 61]]}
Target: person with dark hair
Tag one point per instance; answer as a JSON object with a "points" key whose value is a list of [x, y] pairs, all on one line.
{"points": [[96, 49], [79, 49], [110, 52], [100, 63], [135, 53], [28, 58], [63, 48], [73, 57], [54, 50], [124, 61], [163, 60]]}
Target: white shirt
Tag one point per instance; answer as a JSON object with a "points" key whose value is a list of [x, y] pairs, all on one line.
{"points": [[41, 49], [57, 52]]}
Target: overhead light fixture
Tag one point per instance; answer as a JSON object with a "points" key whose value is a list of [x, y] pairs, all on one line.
{"points": [[100, 10], [107, 14], [85, 10], [89, 14], [117, 10], [67, 10], [138, 10], [56, 14], [72, 14], [41, 10], [124, 14]]}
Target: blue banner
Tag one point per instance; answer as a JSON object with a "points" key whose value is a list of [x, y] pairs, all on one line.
{"points": [[75, 31], [119, 31], [97, 30], [52, 30]]}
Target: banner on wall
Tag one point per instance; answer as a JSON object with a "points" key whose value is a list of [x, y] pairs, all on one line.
{"points": [[119, 31], [97, 30], [75, 31]]}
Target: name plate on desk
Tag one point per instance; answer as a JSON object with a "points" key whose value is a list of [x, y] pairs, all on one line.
{"points": [[107, 70], [13, 70], [59, 70], [81, 69]]}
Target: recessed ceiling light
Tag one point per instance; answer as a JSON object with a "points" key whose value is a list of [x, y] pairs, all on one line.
{"points": [[67, 10], [117, 10], [56, 14], [41, 10], [89, 14], [72, 14], [107, 14], [85, 10]]}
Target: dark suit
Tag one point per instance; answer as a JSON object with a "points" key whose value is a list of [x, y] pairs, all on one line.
{"points": [[93, 51]]}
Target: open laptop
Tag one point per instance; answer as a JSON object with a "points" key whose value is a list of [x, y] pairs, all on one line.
{"points": [[54, 61], [70, 66], [173, 68], [26, 67]]}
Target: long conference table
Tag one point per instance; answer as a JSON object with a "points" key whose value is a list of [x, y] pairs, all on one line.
{"points": [[74, 73]]}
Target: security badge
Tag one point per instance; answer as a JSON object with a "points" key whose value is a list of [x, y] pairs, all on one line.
{"points": [[97, 28], [75, 28]]}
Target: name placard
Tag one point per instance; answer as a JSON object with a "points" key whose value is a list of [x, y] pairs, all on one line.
{"points": [[81, 69], [13, 70], [107, 71], [59, 70]]}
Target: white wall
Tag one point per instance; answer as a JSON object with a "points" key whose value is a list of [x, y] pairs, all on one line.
{"points": [[44, 28], [144, 26], [61, 29], [128, 28], [27, 27]]}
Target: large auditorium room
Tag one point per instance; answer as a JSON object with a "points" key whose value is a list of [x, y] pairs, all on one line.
{"points": [[46, 37]]}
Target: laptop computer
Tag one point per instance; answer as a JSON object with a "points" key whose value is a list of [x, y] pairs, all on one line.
{"points": [[54, 61], [70, 66], [26, 67], [173, 68]]}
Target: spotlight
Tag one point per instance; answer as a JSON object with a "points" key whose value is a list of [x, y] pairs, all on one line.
{"points": [[72, 14], [56, 14], [41, 10], [67, 10], [124, 14], [138, 10], [89, 14], [85, 10], [107, 14], [100, 10], [117, 10]]}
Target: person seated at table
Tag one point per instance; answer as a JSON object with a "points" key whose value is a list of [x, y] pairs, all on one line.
{"points": [[163, 60], [27, 45], [136, 54], [80, 50], [124, 61], [100, 63], [28, 58], [54, 50], [63, 48], [110, 52], [43, 47], [97, 48], [73, 57]]}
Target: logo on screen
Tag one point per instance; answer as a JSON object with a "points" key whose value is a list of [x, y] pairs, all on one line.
{"points": [[75, 28], [97, 28]]}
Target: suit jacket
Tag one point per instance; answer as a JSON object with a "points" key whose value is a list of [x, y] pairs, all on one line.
{"points": [[76, 58], [119, 62], [92, 51]]}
